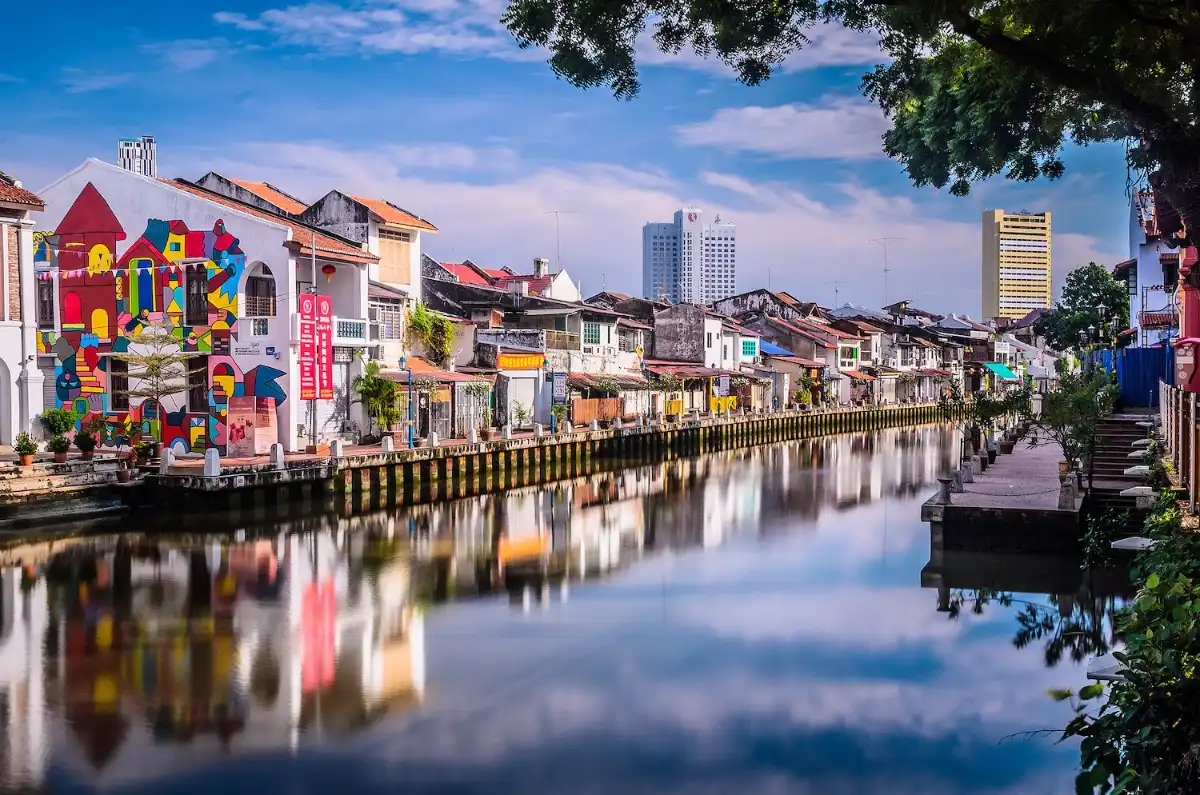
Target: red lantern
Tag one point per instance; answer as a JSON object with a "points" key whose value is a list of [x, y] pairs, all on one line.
{"points": [[328, 270]]}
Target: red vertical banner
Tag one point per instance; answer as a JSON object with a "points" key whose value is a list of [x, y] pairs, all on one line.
{"points": [[324, 347], [308, 346]]}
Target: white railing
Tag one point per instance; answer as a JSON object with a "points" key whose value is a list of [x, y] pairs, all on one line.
{"points": [[350, 332]]}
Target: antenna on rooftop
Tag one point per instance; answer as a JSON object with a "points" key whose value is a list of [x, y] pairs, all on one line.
{"points": [[557, 235], [884, 241], [837, 284]]}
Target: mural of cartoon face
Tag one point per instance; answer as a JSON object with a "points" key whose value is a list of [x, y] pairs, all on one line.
{"points": [[100, 259]]}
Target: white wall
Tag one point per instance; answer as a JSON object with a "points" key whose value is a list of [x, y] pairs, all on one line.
{"points": [[20, 379], [135, 199]]}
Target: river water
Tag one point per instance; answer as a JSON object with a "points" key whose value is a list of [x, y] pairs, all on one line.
{"points": [[768, 620]]}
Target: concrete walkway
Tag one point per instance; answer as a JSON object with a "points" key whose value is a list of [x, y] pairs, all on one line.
{"points": [[1025, 480]]}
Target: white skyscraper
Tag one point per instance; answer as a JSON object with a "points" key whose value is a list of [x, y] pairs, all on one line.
{"points": [[691, 260], [139, 155]]}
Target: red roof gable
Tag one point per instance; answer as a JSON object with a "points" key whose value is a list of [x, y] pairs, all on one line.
{"points": [[142, 249], [273, 195], [465, 274]]}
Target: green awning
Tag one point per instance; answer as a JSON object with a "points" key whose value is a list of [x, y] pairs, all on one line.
{"points": [[1002, 371]]}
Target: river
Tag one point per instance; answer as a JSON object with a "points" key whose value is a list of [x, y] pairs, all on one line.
{"points": [[769, 620]]}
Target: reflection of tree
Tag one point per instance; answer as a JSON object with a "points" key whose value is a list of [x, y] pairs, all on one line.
{"points": [[1082, 631], [1078, 624]]}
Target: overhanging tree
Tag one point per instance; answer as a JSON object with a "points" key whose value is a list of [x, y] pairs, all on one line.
{"points": [[1078, 309], [973, 88]]}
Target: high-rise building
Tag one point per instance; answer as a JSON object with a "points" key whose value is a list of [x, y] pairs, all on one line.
{"points": [[1016, 263], [139, 155], [692, 259]]}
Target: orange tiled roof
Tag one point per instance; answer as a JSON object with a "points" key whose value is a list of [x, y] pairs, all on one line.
{"points": [[392, 214], [328, 247], [272, 194], [14, 195]]}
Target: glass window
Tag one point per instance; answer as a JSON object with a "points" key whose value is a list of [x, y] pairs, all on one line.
{"points": [[118, 390], [749, 348], [591, 333], [197, 384], [45, 303], [196, 313], [260, 294]]}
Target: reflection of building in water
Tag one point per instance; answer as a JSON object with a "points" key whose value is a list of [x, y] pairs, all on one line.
{"points": [[23, 622], [158, 664]]}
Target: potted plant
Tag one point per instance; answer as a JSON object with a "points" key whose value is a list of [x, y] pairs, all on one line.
{"points": [[86, 444], [141, 452], [59, 422], [489, 432], [25, 448], [59, 445], [124, 473]]}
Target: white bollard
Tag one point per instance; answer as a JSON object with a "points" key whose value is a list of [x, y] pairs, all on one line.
{"points": [[387, 444], [1066, 497], [167, 460], [337, 449], [506, 433], [641, 421], [616, 423], [473, 436], [212, 463], [594, 425], [433, 439], [277, 460], [538, 430], [956, 481], [968, 471]]}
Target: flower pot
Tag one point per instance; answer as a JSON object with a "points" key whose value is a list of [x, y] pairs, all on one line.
{"points": [[26, 460], [142, 460], [60, 458], [491, 434], [87, 455], [991, 455], [1006, 447], [124, 475]]}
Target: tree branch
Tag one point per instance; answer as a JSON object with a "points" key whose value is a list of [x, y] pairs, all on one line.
{"points": [[1096, 86]]}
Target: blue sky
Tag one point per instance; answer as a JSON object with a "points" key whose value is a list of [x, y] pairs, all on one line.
{"points": [[430, 104]]}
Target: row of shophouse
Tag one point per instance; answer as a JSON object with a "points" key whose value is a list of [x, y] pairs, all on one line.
{"points": [[101, 253]]}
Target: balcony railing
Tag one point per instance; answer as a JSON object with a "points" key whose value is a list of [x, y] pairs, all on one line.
{"points": [[350, 332]]}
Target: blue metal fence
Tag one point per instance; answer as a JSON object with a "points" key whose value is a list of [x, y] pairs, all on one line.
{"points": [[1139, 371]]}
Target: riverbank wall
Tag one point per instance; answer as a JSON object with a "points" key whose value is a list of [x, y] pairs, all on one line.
{"points": [[370, 478]]}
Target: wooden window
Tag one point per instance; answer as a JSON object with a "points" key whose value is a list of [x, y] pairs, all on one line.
{"points": [[395, 257], [118, 384], [45, 303], [260, 294], [196, 313], [197, 385]]}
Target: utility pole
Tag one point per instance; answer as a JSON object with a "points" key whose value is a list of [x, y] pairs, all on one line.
{"points": [[557, 235], [884, 242]]}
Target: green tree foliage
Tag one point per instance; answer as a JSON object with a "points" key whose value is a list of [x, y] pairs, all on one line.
{"points": [[157, 364], [1086, 290], [379, 397], [973, 88], [1072, 413]]}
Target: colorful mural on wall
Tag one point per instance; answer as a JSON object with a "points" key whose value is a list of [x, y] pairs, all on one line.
{"points": [[105, 297]]}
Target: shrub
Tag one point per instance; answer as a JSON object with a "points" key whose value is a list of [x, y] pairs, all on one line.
{"points": [[59, 421], [25, 444], [58, 444], [85, 441]]}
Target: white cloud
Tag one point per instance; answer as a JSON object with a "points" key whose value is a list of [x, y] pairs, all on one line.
{"points": [[470, 28], [5, 78], [79, 81], [829, 45], [845, 128], [190, 54], [492, 208]]}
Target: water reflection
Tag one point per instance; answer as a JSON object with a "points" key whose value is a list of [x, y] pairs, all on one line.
{"points": [[750, 620]]}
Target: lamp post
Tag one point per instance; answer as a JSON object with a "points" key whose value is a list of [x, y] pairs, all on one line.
{"points": [[404, 366]]}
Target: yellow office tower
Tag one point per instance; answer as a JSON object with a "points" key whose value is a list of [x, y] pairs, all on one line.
{"points": [[1016, 263]]}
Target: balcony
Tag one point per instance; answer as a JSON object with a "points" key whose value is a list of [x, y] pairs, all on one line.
{"points": [[562, 341], [351, 332]]}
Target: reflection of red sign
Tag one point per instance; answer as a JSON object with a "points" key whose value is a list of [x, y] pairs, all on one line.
{"points": [[324, 347], [318, 623], [308, 346]]}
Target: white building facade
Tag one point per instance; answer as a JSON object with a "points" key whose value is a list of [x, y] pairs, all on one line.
{"points": [[690, 260], [20, 380], [139, 155]]}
